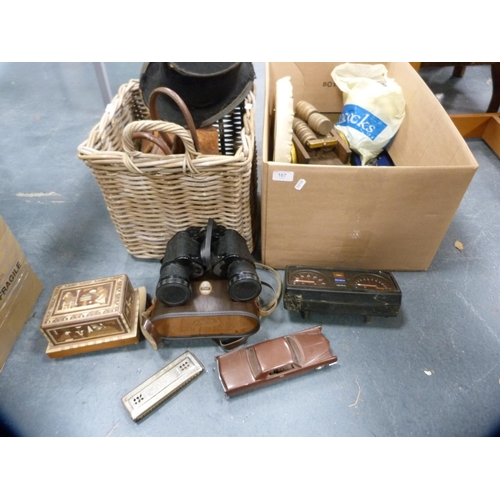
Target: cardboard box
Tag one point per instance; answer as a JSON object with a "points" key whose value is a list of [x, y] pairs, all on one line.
{"points": [[19, 290], [387, 218]]}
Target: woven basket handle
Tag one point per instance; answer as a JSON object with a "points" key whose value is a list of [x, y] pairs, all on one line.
{"points": [[160, 126]]}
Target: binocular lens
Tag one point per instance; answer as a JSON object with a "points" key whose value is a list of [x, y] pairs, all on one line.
{"points": [[243, 282], [174, 293], [173, 288]]}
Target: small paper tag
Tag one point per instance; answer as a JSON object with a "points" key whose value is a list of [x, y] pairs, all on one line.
{"points": [[283, 176], [300, 184]]}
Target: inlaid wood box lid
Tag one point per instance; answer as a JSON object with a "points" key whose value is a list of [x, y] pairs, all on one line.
{"points": [[92, 315]]}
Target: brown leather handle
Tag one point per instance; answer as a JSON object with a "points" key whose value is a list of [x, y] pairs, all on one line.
{"points": [[185, 113], [155, 140], [230, 344]]}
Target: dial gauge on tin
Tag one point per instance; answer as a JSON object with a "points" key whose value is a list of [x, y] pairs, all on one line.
{"points": [[372, 282], [307, 278]]}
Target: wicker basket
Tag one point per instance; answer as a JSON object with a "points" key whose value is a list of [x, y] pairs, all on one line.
{"points": [[151, 197]]}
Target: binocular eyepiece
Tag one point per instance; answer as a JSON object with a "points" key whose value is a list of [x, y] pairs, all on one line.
{"points": [[194, 251]]}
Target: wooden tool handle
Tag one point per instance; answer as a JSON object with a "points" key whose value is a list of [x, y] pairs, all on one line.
{"points": [[308, 113], [302, 131]]}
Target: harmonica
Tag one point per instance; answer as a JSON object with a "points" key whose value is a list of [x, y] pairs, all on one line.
{"points": [[162, 385]]}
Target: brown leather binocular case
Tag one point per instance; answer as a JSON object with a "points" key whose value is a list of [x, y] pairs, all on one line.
{"points": [[210, 313]]}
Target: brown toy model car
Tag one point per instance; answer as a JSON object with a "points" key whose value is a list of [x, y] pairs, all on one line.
{"points": [[273, 360]]}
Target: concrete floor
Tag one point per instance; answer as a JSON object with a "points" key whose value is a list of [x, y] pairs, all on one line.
{"points": [[449, 323]]}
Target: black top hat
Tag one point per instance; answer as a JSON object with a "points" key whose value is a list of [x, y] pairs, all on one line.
{"points": [[210, 90]]}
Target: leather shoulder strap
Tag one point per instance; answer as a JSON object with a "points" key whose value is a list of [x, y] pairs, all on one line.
{"points": [[267, 309]]}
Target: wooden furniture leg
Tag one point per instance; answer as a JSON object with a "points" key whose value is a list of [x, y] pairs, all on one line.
{"points": [[459, 70], [495, 79]]}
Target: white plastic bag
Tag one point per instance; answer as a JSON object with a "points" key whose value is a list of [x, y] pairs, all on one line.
{"points": [[374, 107]]}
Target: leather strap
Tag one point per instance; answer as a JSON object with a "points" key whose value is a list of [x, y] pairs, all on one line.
{"points": [[230, 344], [185, 113], [155, 140], [267, 309], [206, 246]]}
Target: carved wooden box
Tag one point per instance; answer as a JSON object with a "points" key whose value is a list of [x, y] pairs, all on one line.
{"points": [[92, 315]]}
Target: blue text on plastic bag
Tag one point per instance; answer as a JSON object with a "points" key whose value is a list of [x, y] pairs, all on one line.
{"points": [[361, 120]]}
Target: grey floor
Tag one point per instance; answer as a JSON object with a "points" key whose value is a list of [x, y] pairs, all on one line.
{"points": [[432, 371]]}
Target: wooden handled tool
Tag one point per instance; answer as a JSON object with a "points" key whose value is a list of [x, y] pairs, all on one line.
{"points": [[309, 114], [308, 138]]}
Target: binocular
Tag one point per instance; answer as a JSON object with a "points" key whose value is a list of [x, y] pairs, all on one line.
{"points": [[193, 252]]}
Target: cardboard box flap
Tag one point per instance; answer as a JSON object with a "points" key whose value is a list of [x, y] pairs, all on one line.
{"points": [[427, 136], [312, 82]]}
